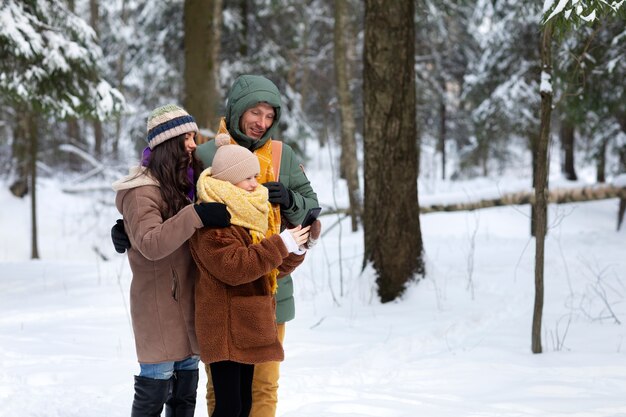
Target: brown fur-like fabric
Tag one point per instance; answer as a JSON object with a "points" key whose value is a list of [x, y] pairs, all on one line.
{"points": [[235, 312]]}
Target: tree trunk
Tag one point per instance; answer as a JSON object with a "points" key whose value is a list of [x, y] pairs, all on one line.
{"points": [[541, 176], [621, 119], [441, 145], [601, 163], [620, 212], [299, 68], [534, 150], [30, 128], [567, 146], [98, 134], [119, 78], [243, 33], [74, 136], [202, 23], [393, 240], [21, 152], [349, 163]]}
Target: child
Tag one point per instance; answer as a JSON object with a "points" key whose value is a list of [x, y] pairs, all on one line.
{"points": [[159, 217], [239, 265]]}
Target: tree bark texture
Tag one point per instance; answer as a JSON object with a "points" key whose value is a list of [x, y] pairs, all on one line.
{"points": [[601, 162], [534, 149], [202, 20], [541, 187], [441, 145], [393, 241], [567, 145], [348, 161], [21, 153]]}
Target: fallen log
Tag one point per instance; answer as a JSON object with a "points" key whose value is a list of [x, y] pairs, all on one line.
{"points": [[555, 196]]}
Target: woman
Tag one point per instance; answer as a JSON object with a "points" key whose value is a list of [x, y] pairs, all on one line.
{"points": [[155, 200], [235, 305]]}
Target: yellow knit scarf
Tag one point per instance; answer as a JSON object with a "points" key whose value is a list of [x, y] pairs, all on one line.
{"points": [[247, 209], [264, 155]]}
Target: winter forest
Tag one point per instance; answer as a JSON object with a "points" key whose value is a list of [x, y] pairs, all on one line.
{"points": [[469, 157]]}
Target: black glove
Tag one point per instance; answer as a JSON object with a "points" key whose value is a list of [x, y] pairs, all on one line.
{"points": [[279, 194], [213, 214], [119, 237]]}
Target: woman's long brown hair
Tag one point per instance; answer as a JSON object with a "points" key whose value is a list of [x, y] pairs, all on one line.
{"points": [[168, 165]]}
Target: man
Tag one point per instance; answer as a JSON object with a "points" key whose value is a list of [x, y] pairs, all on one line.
{"points": [[253, 110]]}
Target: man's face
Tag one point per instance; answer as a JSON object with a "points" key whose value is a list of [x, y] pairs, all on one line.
{"points": [[256, 120]]}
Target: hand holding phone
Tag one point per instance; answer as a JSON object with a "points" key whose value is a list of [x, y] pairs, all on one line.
{"points": [[310, 217]]}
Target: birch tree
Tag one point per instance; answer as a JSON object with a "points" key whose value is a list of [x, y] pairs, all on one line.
{"points": [[560, 17]]}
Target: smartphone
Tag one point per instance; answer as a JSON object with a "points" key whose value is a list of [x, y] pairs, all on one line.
{"points": [[311, 215]]}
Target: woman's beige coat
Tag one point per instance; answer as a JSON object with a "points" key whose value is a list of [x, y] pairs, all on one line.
{"points": [[164, 273]]}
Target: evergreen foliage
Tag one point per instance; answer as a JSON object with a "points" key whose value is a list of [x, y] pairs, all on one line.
{"points": [[49, 61], [476, 70]]}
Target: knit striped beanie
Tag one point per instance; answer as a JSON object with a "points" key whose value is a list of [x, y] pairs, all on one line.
{"points": [[167, 122]]}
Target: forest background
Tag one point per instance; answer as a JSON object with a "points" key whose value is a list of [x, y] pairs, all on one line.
{"points": [[440, 88]]}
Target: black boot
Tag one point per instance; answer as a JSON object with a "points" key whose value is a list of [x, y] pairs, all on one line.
{"points": [[182, 402], [150, 395]]}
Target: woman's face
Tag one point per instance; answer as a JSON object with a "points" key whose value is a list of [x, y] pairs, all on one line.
{"points": [[249, 184], [190, 142]]}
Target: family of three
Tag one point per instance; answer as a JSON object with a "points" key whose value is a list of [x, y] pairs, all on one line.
{"points": [[211, 251]]}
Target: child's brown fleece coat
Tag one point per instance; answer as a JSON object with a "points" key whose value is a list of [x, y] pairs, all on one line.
{"points": [[235, 311]]}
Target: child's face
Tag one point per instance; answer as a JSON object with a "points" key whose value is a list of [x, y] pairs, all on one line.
{"points": [[249, 184]]}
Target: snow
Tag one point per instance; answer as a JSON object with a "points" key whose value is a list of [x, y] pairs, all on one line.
{"points": [[590, 17], [456, 344], [62, 44], [546, 83], [558, 9], [579, 8], [620, 180]]}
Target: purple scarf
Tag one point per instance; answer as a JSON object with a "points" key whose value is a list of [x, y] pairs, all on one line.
{"points": [[191, 194]]}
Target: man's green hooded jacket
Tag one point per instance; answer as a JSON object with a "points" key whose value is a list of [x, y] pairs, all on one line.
{"points": [[246, 92]]}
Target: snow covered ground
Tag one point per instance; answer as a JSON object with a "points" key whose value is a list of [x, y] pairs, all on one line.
{"points": [[457, 344]]}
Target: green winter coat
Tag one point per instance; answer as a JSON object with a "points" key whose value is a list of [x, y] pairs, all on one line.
{"points": [[247, 91]]}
